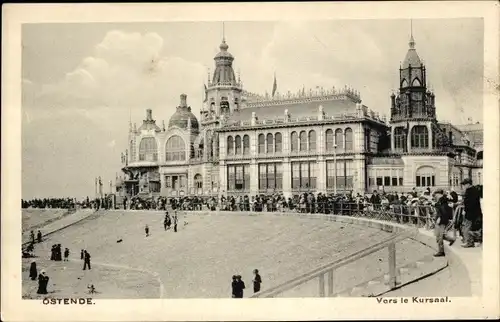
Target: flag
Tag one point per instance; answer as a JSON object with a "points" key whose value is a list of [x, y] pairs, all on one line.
{"points": [[275, 86]]}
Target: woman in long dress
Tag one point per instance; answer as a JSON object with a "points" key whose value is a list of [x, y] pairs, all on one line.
{"points": [[43, 280], [33, 271]]}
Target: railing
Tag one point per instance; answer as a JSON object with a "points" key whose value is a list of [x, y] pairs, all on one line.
{"points": [[326, 289]]}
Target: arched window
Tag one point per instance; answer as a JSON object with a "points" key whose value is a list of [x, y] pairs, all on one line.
{"points": [[416, 82], [312, 140], [294, 141], [278, 141], [404, 83], [425, 177], [348, 139], [262, 144], [175, 149], [198, 181], [230, 145], [329, 140], [419, 137], [237, 143], [246, 145], [148, 149], [303, 141], [399, 138], [270, 143], [339, 140], [479, 155]]}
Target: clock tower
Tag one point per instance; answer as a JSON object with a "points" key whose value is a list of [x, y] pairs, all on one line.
{"points": [[413, 113]]}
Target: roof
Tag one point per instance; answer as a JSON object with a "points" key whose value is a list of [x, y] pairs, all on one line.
{"points": [[412, 59], [295, 110]]}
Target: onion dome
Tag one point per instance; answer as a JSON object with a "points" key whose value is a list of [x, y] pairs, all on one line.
{"points": [[224, 73], [183, 118]]}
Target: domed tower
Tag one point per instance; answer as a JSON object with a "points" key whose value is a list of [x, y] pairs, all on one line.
{"points": [[223, 93], [413, 113], [183, 118]]}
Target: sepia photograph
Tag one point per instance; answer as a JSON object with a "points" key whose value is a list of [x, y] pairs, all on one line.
{"points": [[231, 158]]}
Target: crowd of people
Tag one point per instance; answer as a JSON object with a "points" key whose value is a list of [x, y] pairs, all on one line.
{"points": [[60, 203]]}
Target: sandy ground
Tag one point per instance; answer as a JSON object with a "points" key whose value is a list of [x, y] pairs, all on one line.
{"points": [[199, 260]]}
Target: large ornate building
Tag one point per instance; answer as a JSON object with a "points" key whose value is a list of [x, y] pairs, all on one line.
{"points": [[322, 140]]}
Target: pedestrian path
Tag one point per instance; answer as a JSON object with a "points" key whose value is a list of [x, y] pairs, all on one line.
{"points": [[62, 223]]}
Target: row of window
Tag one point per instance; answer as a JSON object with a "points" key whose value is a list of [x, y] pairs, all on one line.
{"points": [[299, 141], [304, 176]]}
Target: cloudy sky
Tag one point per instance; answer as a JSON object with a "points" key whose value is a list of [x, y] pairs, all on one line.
{"points": [[82, 82]]}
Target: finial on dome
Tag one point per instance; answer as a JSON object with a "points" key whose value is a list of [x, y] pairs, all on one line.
{"points": [[223, 46]]}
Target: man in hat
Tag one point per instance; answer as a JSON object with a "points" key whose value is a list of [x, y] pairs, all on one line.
{"points": [[473, 213], [39, 236], [86, 260], [240, 286], [444, 214]]}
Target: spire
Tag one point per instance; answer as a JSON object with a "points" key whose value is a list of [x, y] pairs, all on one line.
{"points": [[412, 41], [223, 46], [275, 86]]}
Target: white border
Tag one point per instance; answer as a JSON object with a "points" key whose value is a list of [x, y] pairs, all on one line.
{"points": [[14, 309]]}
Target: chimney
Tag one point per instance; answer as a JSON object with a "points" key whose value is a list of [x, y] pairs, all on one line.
{"points": [[149, 115], [183, 100]]}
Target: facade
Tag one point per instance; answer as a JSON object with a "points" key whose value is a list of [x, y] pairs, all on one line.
{"points": [[322, 140]]}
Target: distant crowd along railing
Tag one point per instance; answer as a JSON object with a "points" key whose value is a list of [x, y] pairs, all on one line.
{"points": [[414, 215], [324, 274]]}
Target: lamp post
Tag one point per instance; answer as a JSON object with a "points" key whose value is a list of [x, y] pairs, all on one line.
{"points": [[335, 167]]}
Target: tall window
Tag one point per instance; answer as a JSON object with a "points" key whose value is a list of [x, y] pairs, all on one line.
{"points": [[419, 137], [344, 173], [368, 140], [339, 139], [270, 143], [304, 175], [237, 143], [175, 149], [399, 138], [294, 141], [132, 150], [148, 150], [198, 181], [262, 144], [270, 176], [425, 177], [329, 140], [230, 145], [246, 145], [238, 177], [348, 139], [303, 141], [278, 143], [312, 140]]}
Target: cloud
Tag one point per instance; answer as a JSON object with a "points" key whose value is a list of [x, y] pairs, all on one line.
{"points": [[126, 72]]}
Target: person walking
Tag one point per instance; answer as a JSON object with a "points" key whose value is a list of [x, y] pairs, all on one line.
{"points": [[32, 237], [33, 271], [240, 286], [82, 254], [43, 280], [39, 236], [146, 229], [175, 221], [444, 214], [66, 254], [257, 280], [86, 262], [234, 287], [167, 221], [473, 213]]}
